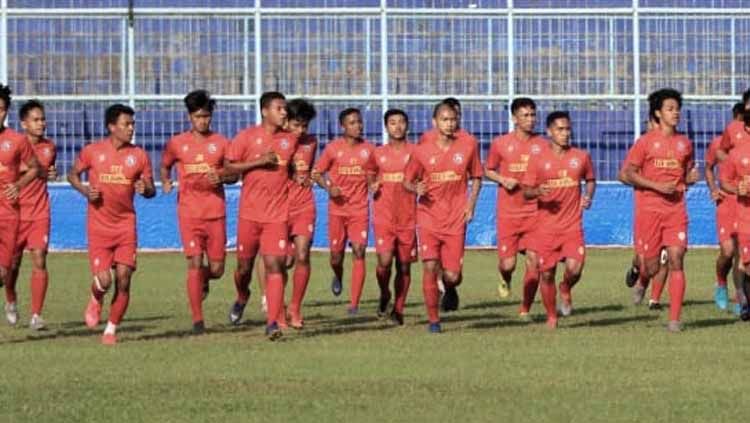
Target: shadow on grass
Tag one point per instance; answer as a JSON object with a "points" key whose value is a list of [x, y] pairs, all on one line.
{"points": [[696, 302], [309, 332], [242, 327], [710, 323], [609, 321], [76, 323], [505, 323], [596, 309], [82, 332], [488, 304]]}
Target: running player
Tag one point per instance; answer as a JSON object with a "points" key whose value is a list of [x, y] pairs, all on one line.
{"points": [[346, 161], [554, 178], [117, 169], [439, 173]]}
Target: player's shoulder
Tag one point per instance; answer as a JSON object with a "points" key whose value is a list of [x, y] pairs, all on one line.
{"points": [[579, 152], [219, 139], [715, 143], [248, 132], [308, 139], [735, 126]]}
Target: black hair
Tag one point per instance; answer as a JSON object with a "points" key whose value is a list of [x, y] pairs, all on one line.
{"points": [[520, 103], [114, 111], [557, 114], [395, 112], [5, 93], [267, 97], [657, 98], [199, 100], [300, 109], [28, 107], [453, 102], [746, 96], [441, 106], [746, 118], [738, 109], [346, 112]]}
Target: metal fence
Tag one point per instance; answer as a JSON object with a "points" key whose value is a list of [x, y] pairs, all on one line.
{"points": [[595, 58]]}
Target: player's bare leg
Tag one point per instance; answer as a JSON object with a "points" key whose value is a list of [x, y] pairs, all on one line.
{"points": [[336, 260], [571, 276], [506, 266], [120, 301], [242, 277], [723, 267], [402, 283], [383, 272], [260, 273]]}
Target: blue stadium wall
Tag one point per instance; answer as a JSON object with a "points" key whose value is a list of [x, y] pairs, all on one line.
{"points": [[608, 222]]}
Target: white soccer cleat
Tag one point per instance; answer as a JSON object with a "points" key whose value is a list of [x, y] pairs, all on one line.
{"points": [[11, 313], [37, 323]]}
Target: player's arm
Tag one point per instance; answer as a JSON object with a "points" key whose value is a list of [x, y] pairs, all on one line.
{"points": [[532, 192], [92, 194], [145, 186], [633, 174], [13, 190], [588, 193], [165, 171], [413, 178], [508, 183], [266, 159], [476, 185], [325, 183]]}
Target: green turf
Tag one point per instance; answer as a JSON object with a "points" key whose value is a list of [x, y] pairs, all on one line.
{"points": [[610, 361]]}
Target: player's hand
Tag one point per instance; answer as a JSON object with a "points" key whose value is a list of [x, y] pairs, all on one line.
{"points": [[213, 177], [693, 176], [374, 187], [717, 194], [334, 192], [269, 158], [166, 186], [11, 192], [421, 188], [140, 186], [468, 214], [510, 183], [52, 173], [667, 188], [94, 194], [543, 190], [303, 180], [742, 189], [585, 202]]}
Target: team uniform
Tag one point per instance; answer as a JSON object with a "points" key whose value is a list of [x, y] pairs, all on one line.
{"points": [[734, 135], [15, 150], [738, 170], [262, 224], [201, 207], [726, 207], [432, 134], [34, 227], [661, 220], [348, 214], [440, 211], [395, 211]]}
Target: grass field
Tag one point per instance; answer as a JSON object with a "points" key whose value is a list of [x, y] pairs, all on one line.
{"points": [[610, 361]]}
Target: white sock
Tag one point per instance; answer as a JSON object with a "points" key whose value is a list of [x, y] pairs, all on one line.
{"points": [[110, 329]]}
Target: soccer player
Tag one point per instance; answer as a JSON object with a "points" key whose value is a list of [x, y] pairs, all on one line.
{"points": [[395, 211], [726, 221], [117, 169], [262, 154], [658, 164], [15, 152], [736, 180], [300, 113], [506, 164], [554, 178], [734, 134], [450, 300], [199, 155], [33, 232], [439, 173], [346, 162]]}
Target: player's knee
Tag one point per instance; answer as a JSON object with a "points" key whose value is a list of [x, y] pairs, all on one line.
{"points": [[451, 278], [103, 279], [244, 268], [359, 251], [336, 259], [216, 270], [38, 260]]}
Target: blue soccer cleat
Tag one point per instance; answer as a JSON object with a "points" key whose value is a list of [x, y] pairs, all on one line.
{"points": [[273, 332], [721, 297], [235, 313], [434, 328], [336, 286]]}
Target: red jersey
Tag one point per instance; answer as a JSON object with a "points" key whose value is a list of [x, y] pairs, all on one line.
{"points": [[509, 156], [15, 150], [734, 134], [432, 135], [393, 205], [301, 198], [114, 173], [738, 170], [560, 210], [34, 198], [347, 167], [729, 200], [446, 174], [662, 158], [196, 156], [265, 191]]}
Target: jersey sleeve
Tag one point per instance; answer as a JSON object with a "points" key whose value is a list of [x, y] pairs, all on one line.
{"points": [[529, 178], [146, 170], [326, 160], [726, 140], [493, 157], [83, 161], [729, 171], [26, 151], [637, 155], [371, 165], [589, 173], [414, 169], [236, 150], [475, 164], [169, 154]]}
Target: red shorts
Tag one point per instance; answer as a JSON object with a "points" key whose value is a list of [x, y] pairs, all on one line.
{"points": [[654, 230], [108, 249], [302, 224], [552, 248], [199, 235], [8, 235], [514, 234], [270, 239], [449, 249], [726, 223], [32, 235], [343, 228], [401, 241]]}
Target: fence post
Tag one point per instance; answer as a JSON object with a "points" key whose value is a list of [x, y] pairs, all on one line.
{"points": [[384, 62], [511, 64], [636, 72], [4, 41]]}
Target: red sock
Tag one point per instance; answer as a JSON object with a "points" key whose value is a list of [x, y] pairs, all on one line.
{"points": [[242, 287], [39, 282], [530, 286], [10, 287], [300, 280], [358, 281], [384, 278], [431, 295], [403, 280], [676, 293], [549, 292], [656, 290], [274, 296], [195, 293], [119, 306], [97, 293], [721, 280]]}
